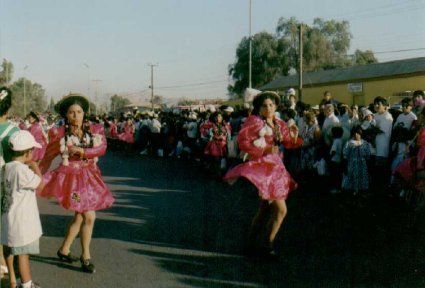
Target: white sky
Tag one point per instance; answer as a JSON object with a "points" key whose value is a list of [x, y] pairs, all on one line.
{"points": [[68, 45]]}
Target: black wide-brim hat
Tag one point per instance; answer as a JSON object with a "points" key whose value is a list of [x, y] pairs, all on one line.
{"points": [[73, 98]]}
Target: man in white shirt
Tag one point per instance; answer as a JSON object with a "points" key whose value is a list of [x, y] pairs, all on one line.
{"points": [[330, 121], [384, 122]]}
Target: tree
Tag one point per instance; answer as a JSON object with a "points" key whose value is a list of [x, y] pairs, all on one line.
{"points": [[268, 61], [325, 43], [27, 96], [118, 102], [158, 101], [6, 73], [186, 102], [364, 57]]}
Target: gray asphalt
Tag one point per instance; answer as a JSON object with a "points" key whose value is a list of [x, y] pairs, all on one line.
{"points": [[173, 225]]}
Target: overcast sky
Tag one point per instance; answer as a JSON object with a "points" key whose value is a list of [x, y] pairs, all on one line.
{"points": [[106, 46]]}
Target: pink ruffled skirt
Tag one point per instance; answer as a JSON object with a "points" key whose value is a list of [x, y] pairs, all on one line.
{"points": [[268, 174], [78, 187], [38, 153], [126, 137], [216, 148]]}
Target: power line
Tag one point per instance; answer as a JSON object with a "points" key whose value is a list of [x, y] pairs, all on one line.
{"points": [[401, 50], [191, 85]]}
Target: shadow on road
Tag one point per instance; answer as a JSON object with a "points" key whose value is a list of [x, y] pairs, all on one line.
{"points": [[196, 226]]}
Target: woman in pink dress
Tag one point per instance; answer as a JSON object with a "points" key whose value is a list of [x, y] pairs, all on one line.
{"points": [[412, 170], [127, 135], [219, 134], [260, 138], [36, 130], [113, 129], [77, 183]]}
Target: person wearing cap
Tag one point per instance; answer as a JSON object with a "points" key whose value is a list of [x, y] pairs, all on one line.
{"points": [[6, 130], [259, 139], [21, 225], [36, 130], [77, 183]]}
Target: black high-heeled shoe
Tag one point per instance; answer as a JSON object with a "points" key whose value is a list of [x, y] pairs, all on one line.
{"points": [[66, 257], [87, 265]]}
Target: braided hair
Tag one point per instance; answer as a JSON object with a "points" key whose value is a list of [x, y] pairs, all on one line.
{"points": [[86, 131]]}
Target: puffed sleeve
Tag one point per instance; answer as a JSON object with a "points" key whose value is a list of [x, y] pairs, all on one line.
{"points": [[53, 148], [249, 133], [99, 142]]}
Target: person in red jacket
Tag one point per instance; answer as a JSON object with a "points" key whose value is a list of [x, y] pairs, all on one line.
{"points": [[260, 138]]}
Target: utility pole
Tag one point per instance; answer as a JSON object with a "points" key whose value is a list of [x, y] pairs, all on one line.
{"points": [[88, 79], [151, 86], [25, 93], [301, 63], [250, 46], [95, 94]]}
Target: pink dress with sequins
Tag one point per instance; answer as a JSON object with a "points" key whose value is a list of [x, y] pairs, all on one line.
{"points": [[77, 186], [37, 131], [407, 169], [128, 134], [265, 171]]}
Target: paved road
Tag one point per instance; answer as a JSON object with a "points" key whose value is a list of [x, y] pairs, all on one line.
{"points": [[174, 226]]}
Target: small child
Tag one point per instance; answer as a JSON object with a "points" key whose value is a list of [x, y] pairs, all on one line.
{"points": [[335, 167], [356, 153], [21, 225]]}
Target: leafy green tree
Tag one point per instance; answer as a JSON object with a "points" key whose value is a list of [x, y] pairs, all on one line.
{"points": [[268, 61], [118, 102], [27, 96], [186, 102], [325, 43], [158, 101], [51, 106], [6, 73], [364, 57]]}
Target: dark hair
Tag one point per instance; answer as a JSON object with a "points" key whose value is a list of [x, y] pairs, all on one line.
{"points": [[260, 98], [380, 100], [418, 93], [6, 102], [20, 153], [213, 116], [337, 131], [290, 113], [406, 102], [327, 92], [63, 105], [33, 115], [356, 129]]}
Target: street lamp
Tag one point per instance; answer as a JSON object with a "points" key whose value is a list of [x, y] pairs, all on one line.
{"points": [[250, 46], [25, 93], [96, 81], [88, 79]]}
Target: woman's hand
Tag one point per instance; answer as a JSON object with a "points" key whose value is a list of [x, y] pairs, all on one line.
{"points": [[272, 150], [76, 151]]}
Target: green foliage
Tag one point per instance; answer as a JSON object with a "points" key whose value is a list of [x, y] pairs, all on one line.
{"points": [[7, 73], [364, 57], [118, 102], [158, 101], [325, 43], [325, 46], [268, 61], [186, 102], [27, 96]]}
